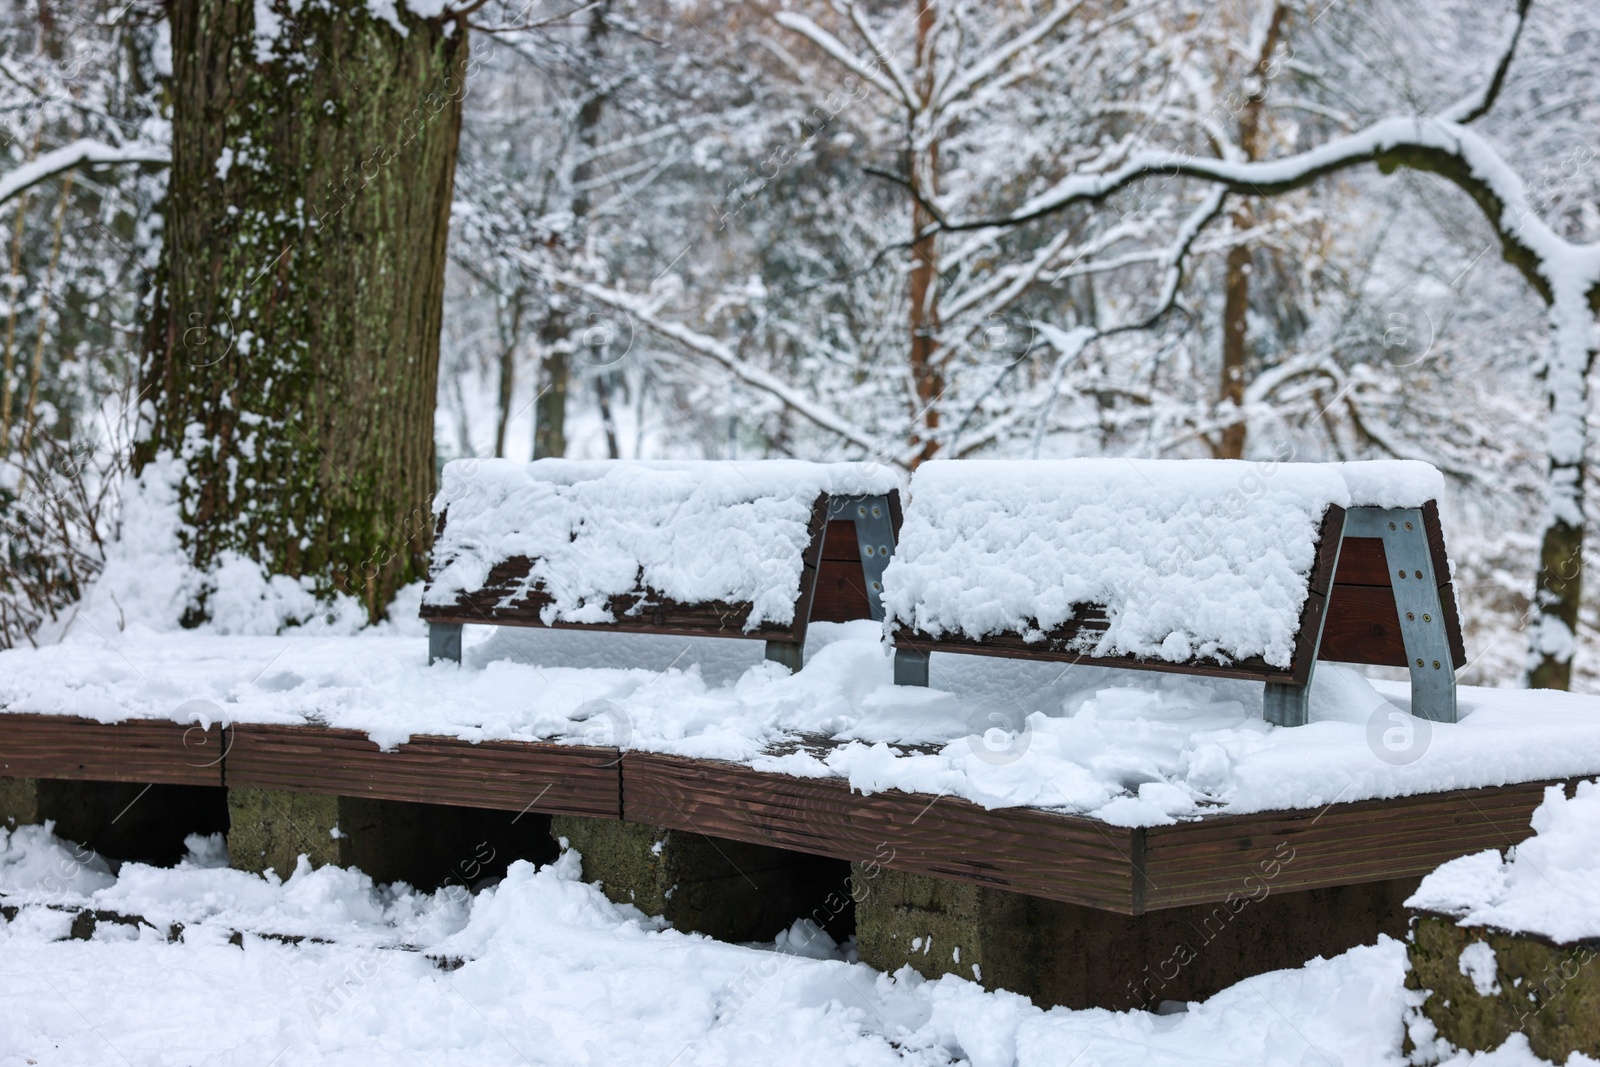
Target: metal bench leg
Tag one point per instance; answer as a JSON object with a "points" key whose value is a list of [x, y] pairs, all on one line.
{"points": [[444, 642], [1286, 705], [910, 667], [788, 653], [875, 538], [1417, 603]]}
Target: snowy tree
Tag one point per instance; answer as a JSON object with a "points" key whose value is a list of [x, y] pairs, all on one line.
{"points": [[293, 345], [1564, 273]]}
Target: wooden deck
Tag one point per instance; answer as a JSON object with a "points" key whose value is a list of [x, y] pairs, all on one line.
{"points": [[1060, 857]]}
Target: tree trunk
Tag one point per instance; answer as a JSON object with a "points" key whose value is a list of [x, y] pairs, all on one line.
{"points": [[1559, 587], [508, 375], [927, 376], [1235, 308], [550, 409], [602, 388], [294, 340], [1229, 444]]}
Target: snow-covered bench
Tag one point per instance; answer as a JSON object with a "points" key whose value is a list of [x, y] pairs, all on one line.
{"points": [[708, 548], [1223, 568]]}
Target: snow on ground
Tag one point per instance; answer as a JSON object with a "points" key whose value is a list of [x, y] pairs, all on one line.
{"points": [[1548, 885], [1134, 748], [556, 974]]}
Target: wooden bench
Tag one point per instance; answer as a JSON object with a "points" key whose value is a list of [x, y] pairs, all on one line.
{"points": [[753, 550], [1356, 550]]}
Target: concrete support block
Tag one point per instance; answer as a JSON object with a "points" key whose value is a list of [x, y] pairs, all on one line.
{"points": [[19, 802], [425, 845], [1547, 991], [119, 820], [1082, 957], [941, 927], [726, 889]]}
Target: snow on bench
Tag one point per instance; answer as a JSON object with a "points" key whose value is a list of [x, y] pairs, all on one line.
{"points": [[698, 548], [1226, 568], [1547, 886]]}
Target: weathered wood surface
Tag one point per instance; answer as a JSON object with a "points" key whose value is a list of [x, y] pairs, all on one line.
{"points": [[841, 593], [502, 775], [1341, 844], [1061, 857], [1074, 859], [138, 750]]}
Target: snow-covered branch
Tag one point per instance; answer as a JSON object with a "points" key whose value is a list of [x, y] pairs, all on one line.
{"points": [[836, 49], [1422, 143], [713, 349], [77, 154]]}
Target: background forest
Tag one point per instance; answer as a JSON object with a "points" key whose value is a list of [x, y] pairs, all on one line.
{"points": [[738, 230]]}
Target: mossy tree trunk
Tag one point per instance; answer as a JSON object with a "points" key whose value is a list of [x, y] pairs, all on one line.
{"points": [[294, 338]]}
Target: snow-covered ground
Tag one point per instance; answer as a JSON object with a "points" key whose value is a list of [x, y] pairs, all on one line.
{"points": [[553, 973], [325, 967], [1134, 748]]}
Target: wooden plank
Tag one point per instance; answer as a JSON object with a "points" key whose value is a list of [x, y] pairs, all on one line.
{"points": [[1452, 625], [495, 605], [1203, 861], [1362, 561], [810, 562], [1363, 627], [1441, 572], [1318, 584], [841, 543], [841, 593], [1059, 857], [1435, 532], [138, 750], [502, 775], [1059, 647], [1331, 530]]}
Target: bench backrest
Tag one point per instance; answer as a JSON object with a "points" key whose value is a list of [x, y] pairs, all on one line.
{"points": [[699, 548], [1224, 568]]}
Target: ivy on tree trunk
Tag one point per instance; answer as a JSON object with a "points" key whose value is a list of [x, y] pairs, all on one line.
{"points": [[293, 346]]}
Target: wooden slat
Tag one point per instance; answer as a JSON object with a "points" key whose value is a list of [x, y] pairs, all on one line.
{"points": [[1435, 532], [841, 593], [1362, 561], [138, 750], [1452, 624], [1058, 646], [1205, 860], [495, 605], [503, 775], [1363, 627], [1060, 857], [841, 543]]}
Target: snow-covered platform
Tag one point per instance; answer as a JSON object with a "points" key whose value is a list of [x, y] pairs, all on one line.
{"points": [[1123, 791]]}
